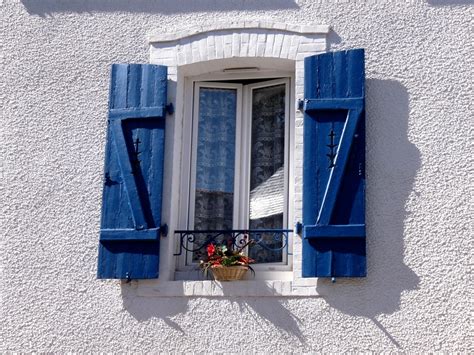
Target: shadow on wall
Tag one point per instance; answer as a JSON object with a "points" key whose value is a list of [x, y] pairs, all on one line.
{"points": [[449, 2], [48, 7], [146, 308], [392, 165], [333, 38], [263, 313], [270, 311]]}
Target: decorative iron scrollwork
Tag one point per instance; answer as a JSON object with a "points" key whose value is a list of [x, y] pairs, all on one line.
{"points": [[197, 240], [136, 153], [332, 154]]}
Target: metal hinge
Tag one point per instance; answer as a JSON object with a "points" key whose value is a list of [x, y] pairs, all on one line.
{"points": [[169, 108], [300, 104]]}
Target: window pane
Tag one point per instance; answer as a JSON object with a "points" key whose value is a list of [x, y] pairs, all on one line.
{"points": [[215, 160], [267, 184]]}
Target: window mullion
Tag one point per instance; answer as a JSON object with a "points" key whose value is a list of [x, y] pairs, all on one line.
{"points": [[246, 158], [238, 186]]}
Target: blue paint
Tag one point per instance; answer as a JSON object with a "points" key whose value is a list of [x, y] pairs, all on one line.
{"points": [[129, 234], [131, 205], [333, 104], [130, 113], [335, 231], [334, 185]]}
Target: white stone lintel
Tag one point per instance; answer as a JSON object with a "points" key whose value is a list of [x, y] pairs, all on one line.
{"points": [[239, 25]]}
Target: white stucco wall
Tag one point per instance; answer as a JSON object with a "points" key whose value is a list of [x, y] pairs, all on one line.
{"points": [[56, 57]]}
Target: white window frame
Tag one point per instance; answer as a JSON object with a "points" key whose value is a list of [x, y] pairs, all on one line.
{"points": [[244, 197], [267, 271], [237, 159]]}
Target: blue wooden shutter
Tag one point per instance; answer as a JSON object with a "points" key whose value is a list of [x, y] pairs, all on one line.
{"points": [[129, 244], [334, 162]]}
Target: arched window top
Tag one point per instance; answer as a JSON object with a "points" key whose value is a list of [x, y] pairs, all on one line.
{"points": [[237, 26]]}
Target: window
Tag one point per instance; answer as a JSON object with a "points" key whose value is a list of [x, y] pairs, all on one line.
{"points": [[238, 164], [233, 149]]}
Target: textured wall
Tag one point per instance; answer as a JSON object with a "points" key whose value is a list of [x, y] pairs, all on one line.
{"points": [[56, 57]]}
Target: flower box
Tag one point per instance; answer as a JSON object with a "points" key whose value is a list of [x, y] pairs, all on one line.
{"points": [[226, 263], [229, 273]]}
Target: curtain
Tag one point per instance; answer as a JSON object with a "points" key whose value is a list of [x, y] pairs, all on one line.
{"points": [[267, 186], [214, 201]]}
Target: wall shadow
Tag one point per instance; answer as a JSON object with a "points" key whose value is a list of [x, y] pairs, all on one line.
{"points": [[268, 312], [49, 7], [145, 308], [272, 311], [333, 38], [450, 2], [392, 163]]}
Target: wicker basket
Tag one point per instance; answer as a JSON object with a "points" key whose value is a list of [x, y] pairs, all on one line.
{"points": [[229, 273]]}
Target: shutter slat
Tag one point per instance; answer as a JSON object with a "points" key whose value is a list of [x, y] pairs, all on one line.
{"points": [[356, 72], [333, 173], [119, 79], [136, 113], [335, 231], [326, 76], [134, 85], [129, 234], [333, 104], [340, 75], [133, 181]]}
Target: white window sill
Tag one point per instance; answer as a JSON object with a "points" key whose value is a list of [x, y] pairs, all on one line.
{"points": [[207, 288], [260, 275]]}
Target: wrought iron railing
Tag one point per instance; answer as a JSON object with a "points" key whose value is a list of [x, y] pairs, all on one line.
{"points": [[273, 240]]}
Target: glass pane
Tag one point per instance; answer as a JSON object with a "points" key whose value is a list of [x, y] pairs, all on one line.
{"points": [[215, 160], [267, 184]]}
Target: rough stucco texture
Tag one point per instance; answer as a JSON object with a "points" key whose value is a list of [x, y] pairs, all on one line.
{"points": [[56, 57]]}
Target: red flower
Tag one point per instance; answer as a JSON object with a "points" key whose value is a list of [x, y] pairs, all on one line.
{"points": [[210, 249]]}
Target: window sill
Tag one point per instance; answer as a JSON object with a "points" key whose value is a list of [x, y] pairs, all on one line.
{"points": [[260, 275], [207, 288]]}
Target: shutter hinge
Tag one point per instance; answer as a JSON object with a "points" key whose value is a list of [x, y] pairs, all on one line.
{"points": [[300, 104], [298, 228], [164, 230], [169, 108]]}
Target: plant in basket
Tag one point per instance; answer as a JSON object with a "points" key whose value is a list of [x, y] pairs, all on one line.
{"points": [[225, 263]]}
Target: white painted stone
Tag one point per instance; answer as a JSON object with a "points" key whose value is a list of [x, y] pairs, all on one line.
{"points": [[188, 53], [277, 46], [235, 25], [285, 46], [204, 49], [219, 40], [196, 55], [235, 45], [311, 47], [252, 49], [269, 45], [228, 46], [244, 44], [261, 46], [211, 52]]}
